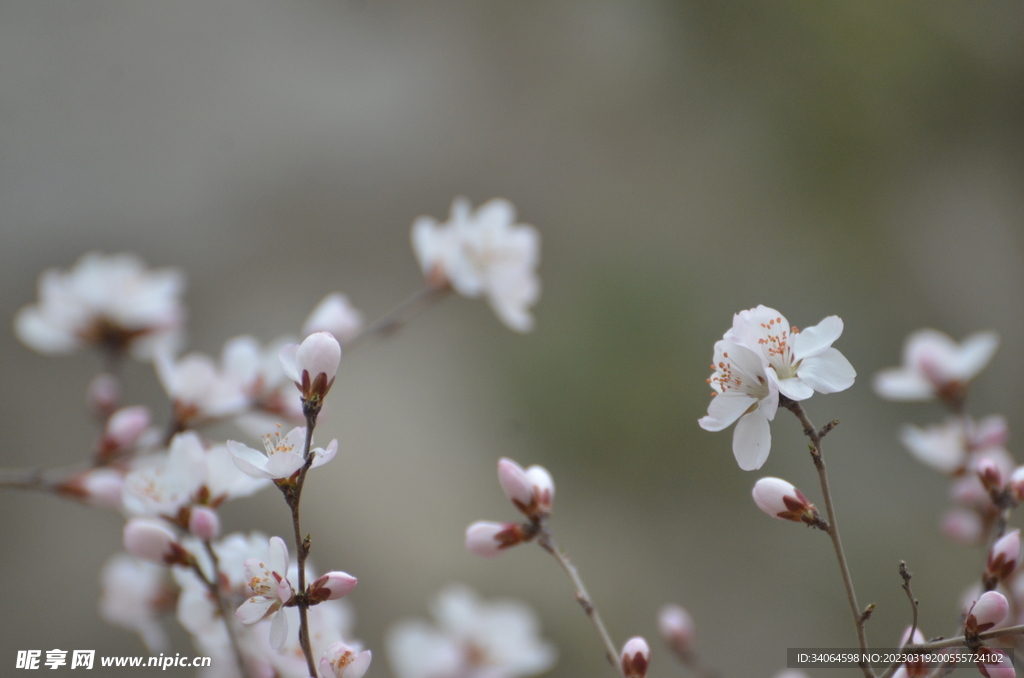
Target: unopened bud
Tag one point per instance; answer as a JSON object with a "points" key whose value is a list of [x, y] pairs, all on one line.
{"points": [[676, 627], [331, 586], [990, 609], [153, 541], [103, 394], [204, 523], [780, 499], [488, 539], [913, 669], [999, 669], [1003, 558], [989, 474], [516, 484], [543, 487], [635, 658], [1016, 483], [312, 365], [126, 425]]}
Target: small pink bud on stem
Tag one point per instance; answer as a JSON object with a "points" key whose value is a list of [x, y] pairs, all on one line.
{"points": [[331, 586], [635, 658], [488, 539], [153, 541], [676, 627], [1002, 559], [204, 523], [780, 499]]}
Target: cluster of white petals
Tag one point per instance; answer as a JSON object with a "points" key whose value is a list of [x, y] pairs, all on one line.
{"points": [[935, 366], [483, 252], [760, 358], [472, 639], [112, 301], [198, 387], [136, 593], [335, 314], [268, 581]]}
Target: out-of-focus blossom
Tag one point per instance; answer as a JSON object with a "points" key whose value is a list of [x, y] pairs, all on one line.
{"points": [[488, 539], [913, 669], [135, 595], [962, 526], [940, 446], [109, 301], [472, 639], [744, 392], [335, 314], [103, 394], [101, 487], [198, 388], [676, 627], [531, 490], [344, 661], [801, 362], [153, 541], [936, 366], [483, 253], [204, 523], [283, 456], [1002, 668], [269, 583], [257, 371], [635, 657]]}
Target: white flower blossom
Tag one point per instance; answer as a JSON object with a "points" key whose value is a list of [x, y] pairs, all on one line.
{"points": [[473, 639], [334, 314], [483, 253], [111, 301], [271, 589], [283, 456], [936, 366], [135, 595]]}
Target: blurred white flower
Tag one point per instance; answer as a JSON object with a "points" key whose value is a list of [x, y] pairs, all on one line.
{"points": [[936, 366], [109, 301], [334, 314], [472, 639], [941, 446], [483, 253], [269, 583], [198, 388], [136, 594], [258, 373]]}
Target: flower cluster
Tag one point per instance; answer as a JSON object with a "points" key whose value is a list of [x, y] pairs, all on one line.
{"points": [[762, 358]]}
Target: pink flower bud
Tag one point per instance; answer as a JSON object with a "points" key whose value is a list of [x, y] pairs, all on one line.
{"points": [[1016, 483], [126, 425], [914, 669], [989, 474], [204, 523], [331, 586], [990, 609], [543, 487], [1001, 669], [343, 661], [96, 487], [153, 541], [782, 500], [488, 539], [103, 394], [1003, 558], [676, 627], [635, 657], [516, 484], [962, 526]]}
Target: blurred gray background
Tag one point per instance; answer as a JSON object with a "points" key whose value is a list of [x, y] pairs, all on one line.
{"points": [[682, 160]]}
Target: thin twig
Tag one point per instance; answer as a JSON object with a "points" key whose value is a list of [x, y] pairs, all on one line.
{"points": [[302, 547], [547, 542], [962, 641], [393, 320], [819, 463], [905, 574]]}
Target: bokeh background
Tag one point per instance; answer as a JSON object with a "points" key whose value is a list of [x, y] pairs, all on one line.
{"points": [[682, 160]]}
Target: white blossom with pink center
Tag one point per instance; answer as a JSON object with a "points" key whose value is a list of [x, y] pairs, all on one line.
{"points": [[282, 457], [743, 393], [936, 366], [800, 361], [112, 301], [344, 661], [268, 581], [483, 253], [472, 639], [198, 388]]}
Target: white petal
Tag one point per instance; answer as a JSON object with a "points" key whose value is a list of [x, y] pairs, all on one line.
{"points": [[827, 372], [254, 609], [321, 457], [794, 388], [900, 384], [278, 556], [813, 340], [975, 352], [279, 631], [289, 364], [724, 409], [248, 460], [358, 666], [752, 441]]}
